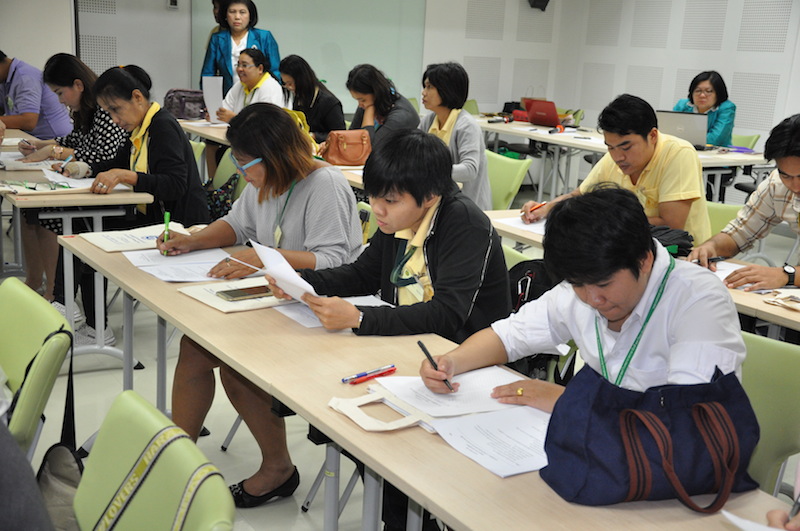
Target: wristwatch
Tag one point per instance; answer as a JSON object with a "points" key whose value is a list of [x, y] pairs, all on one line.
{"points": [[789, 270]]}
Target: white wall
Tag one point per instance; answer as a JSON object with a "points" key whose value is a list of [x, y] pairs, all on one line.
{"points": [[33, 30]]}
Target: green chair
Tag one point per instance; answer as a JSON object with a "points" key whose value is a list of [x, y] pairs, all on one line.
{"points": [[225, 169], [368, 222], [720, 214], [505, 177], [414, 103], [471, 106], [769, 375], [27, 320], [179, 483], [745, 140], [513, 257], [199, 148]]}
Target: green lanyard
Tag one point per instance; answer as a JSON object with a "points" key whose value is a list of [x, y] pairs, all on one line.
{"points": [[404, 254], [278, 232], [635, 344]]}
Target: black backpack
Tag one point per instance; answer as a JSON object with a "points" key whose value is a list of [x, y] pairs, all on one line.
{"points": [[528, 280]]}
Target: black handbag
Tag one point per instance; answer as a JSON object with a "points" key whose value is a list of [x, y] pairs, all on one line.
{"points": [[607, 445]]}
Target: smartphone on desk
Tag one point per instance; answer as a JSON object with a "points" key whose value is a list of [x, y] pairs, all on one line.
{"points": [[244, 293]]}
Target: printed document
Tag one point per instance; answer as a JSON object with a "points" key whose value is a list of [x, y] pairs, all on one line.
{"points": [[189, 267], [306, 317], [276, 266], [517, 223], [131, 240], [212, 94]]}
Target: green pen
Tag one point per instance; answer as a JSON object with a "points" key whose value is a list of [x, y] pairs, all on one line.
{"points": [[166, 229]]}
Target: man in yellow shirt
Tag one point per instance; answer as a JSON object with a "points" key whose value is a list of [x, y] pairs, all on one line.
{"points": [[663, 171]]}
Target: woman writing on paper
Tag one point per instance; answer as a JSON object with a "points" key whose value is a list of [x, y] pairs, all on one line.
{"points": [[94, 138], [306, 210], [381, 109], [309, 95], [444, 90], [238, 33]]}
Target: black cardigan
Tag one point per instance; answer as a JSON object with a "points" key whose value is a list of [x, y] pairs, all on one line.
{"points": [[173, 179], [466, 266]]}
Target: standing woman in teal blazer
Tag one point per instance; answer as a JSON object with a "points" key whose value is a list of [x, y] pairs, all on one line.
{"points": [[238, 32], [709, 95]]}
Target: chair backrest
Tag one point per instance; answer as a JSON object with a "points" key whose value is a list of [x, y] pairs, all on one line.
{"points": [[225, 169], [513, 257], [126, 437], [505, 177], [769, 375], [414, 103], [368, 222], [27, 319], [745, 141], [720, 214], [577, 114], [471, 106], [197, 149]]}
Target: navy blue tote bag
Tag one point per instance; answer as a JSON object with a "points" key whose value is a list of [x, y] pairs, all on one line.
{"points": [[607, 445]]}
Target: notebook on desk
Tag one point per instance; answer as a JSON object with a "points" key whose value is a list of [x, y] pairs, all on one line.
{"points": [[542, 112], [688, 126]]}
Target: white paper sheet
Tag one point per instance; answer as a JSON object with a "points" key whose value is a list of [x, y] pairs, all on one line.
{"points": [[743, 524], [130, 240], [517, 223], [213, 96], [11, 155], [11, 141], [56, 177], [303, 314], [276, 266], [472, 397], [189, 267], [506, 442], [207, 294]]}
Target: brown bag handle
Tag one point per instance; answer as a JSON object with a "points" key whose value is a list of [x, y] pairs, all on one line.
{"points": [[719, 436]]}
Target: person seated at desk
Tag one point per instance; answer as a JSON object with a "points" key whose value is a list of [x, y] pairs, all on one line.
{"points": [[708, 95], [27, 104], [157, 159], [436, 257], [238, 33], [663, 171], [444, 90], [773, 202], [307, 94], [381, 111], [306, 210], [615, 275], [95, 138]]}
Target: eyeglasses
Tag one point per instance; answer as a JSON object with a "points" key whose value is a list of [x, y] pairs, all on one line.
{"points": [[242, 169], [704, 91], [242, 65], [50, 185]]}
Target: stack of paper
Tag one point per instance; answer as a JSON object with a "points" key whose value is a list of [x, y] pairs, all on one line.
{"points": [[131, 240], [189, 267]]}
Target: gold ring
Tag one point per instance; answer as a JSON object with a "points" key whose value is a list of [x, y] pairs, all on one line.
{"points": [[520, 390]]}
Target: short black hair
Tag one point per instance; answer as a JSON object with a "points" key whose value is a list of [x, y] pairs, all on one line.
{"points": [[2, 56], [252, 10], [628, 115], [784, 139], [716, 81], [120, 81], [451, 82], [590, 237], [366, 79], [259, 59], [411, 161]]}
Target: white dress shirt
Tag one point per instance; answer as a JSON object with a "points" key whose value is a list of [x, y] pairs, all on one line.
{"points": [[693, 329], [269, 92]]}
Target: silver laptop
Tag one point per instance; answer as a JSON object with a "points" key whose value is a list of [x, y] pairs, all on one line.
{"points": [[688, 126]]}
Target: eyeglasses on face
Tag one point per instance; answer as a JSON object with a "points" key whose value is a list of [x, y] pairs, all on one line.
{"points": [[242, 65], [703, 91], [243, 169]]}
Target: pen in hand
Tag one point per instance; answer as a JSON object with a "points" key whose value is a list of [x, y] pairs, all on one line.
{"points": [[711, 260], [433, 363], [535, 207], [64, 165], [251, 266], [166, 229]]}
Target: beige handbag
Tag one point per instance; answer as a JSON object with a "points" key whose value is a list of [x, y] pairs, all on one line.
{"points": [[347, 148]]}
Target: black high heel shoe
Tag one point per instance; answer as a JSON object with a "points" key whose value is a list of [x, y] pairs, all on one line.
{"points": [[244, 500]]}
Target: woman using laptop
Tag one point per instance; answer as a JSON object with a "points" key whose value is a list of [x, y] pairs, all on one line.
{"points": [[709, 95]]}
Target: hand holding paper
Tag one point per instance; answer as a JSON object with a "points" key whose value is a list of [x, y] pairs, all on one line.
{"points": [[285, 277]]}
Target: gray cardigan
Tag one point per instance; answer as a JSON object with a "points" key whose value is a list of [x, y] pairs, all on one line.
{"points": [[469, 158]]}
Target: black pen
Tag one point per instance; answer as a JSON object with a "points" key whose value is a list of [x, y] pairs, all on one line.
{"points": [[795, 508], [712, 260], [433, 363]]}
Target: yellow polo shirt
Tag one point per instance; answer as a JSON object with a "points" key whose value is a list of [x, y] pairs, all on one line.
{"points": [[444, 132]]}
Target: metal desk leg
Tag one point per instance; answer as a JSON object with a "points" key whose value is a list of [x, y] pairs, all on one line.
{"points": [[555, 172], [414, 516], [373, 494], [161, 364], [330, 520], [542, 176], [127, 342]]}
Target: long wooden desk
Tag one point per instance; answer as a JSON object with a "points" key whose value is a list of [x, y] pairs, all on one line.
{"points": [[302, 367], [714, 162]]}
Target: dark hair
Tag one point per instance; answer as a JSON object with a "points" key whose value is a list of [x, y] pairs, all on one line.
{"points": [[305, 80], [413, 162], [367, 79], [120, 81], [784, 139], [61, 70], [716, 81], [2, 56], [267, 131], [251, 9], [259, 59], [628, 115], [592, 236], [451, 82]]}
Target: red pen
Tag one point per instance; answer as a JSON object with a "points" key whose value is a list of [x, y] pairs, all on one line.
{"points": [[371, 376]]}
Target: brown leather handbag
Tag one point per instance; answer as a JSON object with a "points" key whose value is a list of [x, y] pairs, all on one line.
{"points": [[347, 148]]}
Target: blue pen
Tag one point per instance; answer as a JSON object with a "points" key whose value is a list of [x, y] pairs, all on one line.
{"points": [[367, 373], [63, 166]]}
